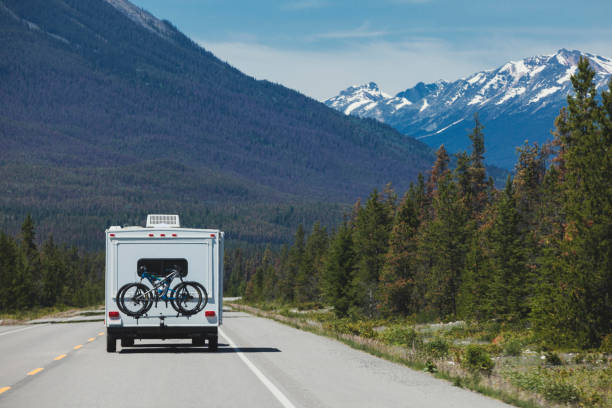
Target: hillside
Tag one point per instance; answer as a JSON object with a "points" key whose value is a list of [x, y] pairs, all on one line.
{"points": [[516, 102], [109, 113]]}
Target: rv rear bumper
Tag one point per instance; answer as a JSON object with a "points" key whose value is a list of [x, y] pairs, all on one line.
{"points": [[163, 332]]}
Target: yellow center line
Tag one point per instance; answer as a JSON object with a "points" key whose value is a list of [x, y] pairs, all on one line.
{"points": [[59, 357], [78, 347], [4, 389], [101, 334], [91, 339], [36, 371]]}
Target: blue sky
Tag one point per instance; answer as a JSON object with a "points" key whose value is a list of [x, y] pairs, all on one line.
{"points": [[320, 47]]}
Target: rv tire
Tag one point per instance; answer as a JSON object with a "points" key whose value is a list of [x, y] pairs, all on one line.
{"points": [[111, 344], [127, 342], [213, 343]]}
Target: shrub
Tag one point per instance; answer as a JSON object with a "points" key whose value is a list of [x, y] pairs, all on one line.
{"points": [[476, 359], [553, 359], [430, 367], [551, 385], [358, 328], [561, 392], [606, 344], [513, 347], [402, 336], [437, 348]]}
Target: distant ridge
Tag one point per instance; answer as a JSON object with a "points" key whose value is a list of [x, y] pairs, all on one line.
{"points": [[516, 101], [109, 114]]}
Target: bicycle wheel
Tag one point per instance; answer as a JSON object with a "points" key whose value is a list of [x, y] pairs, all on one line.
{"points": [[204, 295], [135, 299], [120, 295], [188, 298]]}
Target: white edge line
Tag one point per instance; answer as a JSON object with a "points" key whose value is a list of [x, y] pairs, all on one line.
{"points": [[271, 387], [25, 328]]}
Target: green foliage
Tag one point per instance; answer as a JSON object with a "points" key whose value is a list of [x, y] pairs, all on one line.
{"points": [[573, 306], [536, 254], [513, 347], [339, 271], [430, 367], [554, 386], [606, 344], [372, 227], [552, 358], [445, 240], [476, 359], [362, 328], [52, 276], [401, 335], [398, 276], [437, 348]]}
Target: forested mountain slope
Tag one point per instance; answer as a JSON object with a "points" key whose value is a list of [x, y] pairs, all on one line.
{"points": [[108, 113]]}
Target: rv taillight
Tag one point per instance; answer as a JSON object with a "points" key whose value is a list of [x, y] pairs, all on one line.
{"points": [[112, 235], [209, 313], [113, 315], [212, 235], [174, 235], [151, 235]]}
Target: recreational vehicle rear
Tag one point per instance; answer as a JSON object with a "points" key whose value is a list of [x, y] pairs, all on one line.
{"points": [[163, 282]]}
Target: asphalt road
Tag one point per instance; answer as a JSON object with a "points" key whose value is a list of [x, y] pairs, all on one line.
{"points": [[260, 363]]}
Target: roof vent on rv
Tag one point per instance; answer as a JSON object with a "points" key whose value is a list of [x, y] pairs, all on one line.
{"points": [[163, 220]]}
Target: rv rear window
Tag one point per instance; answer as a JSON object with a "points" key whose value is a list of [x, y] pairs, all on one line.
{"points": [[161, 267]]}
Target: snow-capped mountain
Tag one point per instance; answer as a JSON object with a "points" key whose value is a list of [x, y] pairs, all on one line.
{"points": [[516, 102]]}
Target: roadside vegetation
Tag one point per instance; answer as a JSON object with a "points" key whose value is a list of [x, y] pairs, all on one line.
{"points": [[47, 280], [509, 286], [496, 359]]}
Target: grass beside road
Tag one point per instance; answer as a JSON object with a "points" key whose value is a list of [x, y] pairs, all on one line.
{"points": [[24, 316], [494, 359]]}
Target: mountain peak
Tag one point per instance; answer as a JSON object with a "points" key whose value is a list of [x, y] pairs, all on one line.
{"points": [[530, 90], [141, 17], [568, 58]]}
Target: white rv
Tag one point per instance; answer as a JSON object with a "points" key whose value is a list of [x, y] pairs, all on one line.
{"points": [[163, 282]]}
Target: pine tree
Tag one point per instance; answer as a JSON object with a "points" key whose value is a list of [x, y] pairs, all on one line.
{"points": [[339, 271], [474, 299], [438, 171], [580, 269], [445, 238], [398, 274], [296, 269], [26, 281], [316, 248], [509, 273], [51, 266], [371, 236], [477, 171], [28, 236], [9, 270]]}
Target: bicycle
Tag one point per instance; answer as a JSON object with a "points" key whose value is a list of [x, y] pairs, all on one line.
{"points": [[136, 299]]}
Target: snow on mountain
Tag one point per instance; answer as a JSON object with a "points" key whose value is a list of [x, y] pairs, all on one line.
{"points": [[516, 101], [141, 17]]}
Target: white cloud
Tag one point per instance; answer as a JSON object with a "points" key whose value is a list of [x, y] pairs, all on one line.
{"points": [[362, 31], [394, 66]]}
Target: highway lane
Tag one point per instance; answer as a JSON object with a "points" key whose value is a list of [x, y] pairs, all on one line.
{"points": [[305, 369]]}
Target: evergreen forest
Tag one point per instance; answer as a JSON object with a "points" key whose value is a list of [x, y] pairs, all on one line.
{"points": [[48, 276], [536, 253]]}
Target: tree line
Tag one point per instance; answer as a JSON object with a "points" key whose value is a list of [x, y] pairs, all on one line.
{"points": [[537, 252], [49, 275]]}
